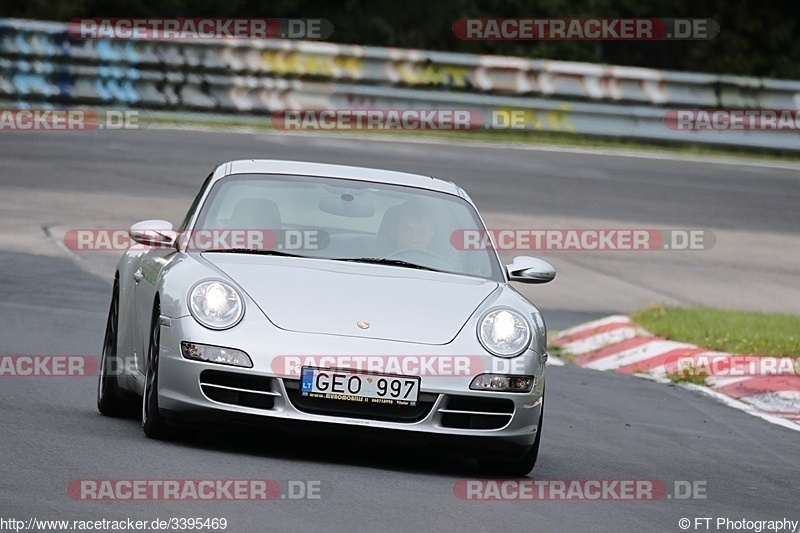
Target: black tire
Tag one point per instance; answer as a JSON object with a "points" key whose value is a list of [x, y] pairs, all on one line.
{"points": [[153, 423], [110, 400], [520, 466]]}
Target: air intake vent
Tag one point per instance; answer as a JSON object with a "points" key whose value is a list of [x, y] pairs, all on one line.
{"points": [[238, 389], [472, 412]]}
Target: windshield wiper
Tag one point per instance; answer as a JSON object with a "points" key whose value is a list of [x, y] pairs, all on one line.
{"points": [[370, 260], [384, 261], [254, 251]]}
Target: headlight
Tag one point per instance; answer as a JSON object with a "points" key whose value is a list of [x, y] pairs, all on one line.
{"points": [[504, 333], [500, 382], [216, 305], [215, 354]]}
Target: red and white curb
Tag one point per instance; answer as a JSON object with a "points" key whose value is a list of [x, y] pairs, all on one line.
{"points": [[615, 343]]}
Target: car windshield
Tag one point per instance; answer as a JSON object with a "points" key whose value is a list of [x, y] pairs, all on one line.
{"points": [[346, 220]]}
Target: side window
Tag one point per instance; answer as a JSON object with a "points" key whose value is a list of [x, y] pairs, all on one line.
{"points": [[195, 203]]}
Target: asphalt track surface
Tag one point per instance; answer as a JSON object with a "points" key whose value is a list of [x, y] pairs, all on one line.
{"points": [[597, 425]]}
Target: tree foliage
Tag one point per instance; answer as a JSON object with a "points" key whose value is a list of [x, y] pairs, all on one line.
{"points": [[756, 38]]}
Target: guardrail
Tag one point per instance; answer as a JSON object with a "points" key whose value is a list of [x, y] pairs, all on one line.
{"points": [[41, 64]]}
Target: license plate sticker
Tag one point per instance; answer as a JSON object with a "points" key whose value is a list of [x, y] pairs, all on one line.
{"points": [[353, 386]]}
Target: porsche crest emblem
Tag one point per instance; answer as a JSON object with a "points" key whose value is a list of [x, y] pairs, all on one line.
{"points": [[362, 324]]}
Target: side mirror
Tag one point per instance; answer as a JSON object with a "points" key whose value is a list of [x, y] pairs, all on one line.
{"points": [[153, 233], [530, 270]]}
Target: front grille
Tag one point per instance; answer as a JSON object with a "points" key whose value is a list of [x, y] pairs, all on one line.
{"points": [[238, 389], [370, 411], [476, 412]]}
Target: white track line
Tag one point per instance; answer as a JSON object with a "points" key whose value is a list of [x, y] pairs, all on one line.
{"points": [[634, 355], [532, 147], [592, 325], [752, 405], [600, 340]]}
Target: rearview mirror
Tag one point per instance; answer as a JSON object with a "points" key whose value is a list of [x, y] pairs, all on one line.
{"points": [[347, 206], [530, 270], [153, 233]]}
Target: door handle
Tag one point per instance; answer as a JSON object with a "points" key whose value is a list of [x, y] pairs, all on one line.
{"points": [[137, 276]]}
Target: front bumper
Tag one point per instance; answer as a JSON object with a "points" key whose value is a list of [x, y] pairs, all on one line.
{"points": [[195, 391]]}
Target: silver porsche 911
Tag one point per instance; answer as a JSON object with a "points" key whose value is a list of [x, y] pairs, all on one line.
{"points": [[330, 297]]}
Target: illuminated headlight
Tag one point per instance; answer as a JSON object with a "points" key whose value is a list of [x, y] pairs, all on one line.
{"points": [[216, 305], [215, 354], [498, 382], [504, 333]]}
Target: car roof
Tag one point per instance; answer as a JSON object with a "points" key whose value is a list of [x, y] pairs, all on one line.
{"points": [[302, 168]]}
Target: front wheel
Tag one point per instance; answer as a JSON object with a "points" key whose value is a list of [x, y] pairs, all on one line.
{"points": [[110, 400], [153, 423], [519, 466]]}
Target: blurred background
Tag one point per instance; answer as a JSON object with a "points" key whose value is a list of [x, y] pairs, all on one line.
{"points": [[756, 39]]}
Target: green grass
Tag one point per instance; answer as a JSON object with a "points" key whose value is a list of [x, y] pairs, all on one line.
{"points": [[223, 121], [553, 350], [737, 332], [689, 375]]}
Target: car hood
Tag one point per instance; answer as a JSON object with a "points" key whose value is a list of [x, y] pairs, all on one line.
{"points": [[339, 298]]}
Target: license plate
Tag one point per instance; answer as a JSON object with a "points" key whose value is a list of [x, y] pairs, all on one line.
{"points": [[353, 386]]}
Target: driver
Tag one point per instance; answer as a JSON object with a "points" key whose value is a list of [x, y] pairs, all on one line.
{"points": [[413, 229]]}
